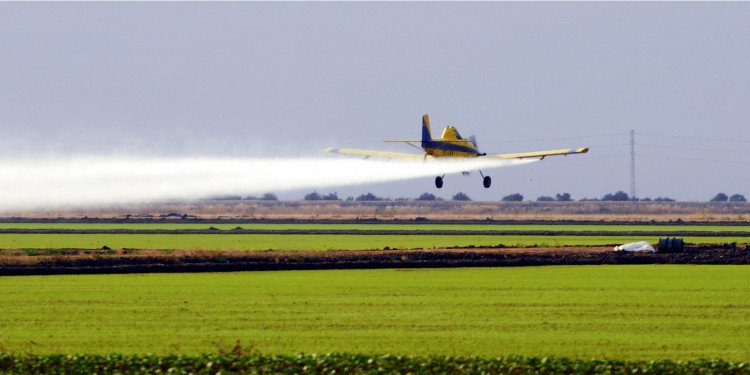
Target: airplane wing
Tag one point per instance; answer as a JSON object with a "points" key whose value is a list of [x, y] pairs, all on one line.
{"points": [[381, 154], [539, 154]]}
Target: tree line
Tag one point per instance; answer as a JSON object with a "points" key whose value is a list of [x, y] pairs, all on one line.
{"points": [[619, 196], [370, 197]]}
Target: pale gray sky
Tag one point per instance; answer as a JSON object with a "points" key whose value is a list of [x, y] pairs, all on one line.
{"points": [[277, 79]]}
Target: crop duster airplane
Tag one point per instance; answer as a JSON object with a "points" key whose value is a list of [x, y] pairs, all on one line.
{"points": [[451, 145]]}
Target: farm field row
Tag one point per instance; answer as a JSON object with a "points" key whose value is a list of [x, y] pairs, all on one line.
{"points": [[626, 312], [351, 363], [318, 242], [379, 227]]}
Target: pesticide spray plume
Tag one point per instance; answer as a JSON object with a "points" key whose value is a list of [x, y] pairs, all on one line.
{"points": [[95, 181]]}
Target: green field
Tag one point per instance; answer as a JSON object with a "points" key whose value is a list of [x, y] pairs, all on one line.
{"points": [[361, 239], [370, 227], [319, 242], [627, 312]]}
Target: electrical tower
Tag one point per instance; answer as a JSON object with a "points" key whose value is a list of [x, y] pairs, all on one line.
{"points": [[632, 165]]}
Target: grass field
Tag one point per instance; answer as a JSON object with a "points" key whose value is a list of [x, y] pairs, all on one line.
{"points": [[361, 239], [627, 312], [320, 242], [370, 227]]}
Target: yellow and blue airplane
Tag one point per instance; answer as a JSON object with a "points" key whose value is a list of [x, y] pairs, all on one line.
{"points": [[452, 145]]}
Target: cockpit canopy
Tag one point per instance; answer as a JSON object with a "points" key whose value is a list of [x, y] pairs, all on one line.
{"points": [[451, 133]]}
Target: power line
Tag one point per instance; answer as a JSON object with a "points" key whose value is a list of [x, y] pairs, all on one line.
{"points": [[672, 136], [557, 139], [695, 148], [695, 159], [602, 156]]}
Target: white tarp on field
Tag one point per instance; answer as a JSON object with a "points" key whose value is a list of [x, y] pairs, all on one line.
{"points": [[636, 246]]}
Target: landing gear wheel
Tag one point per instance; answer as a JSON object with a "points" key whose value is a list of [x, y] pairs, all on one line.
{"points": [[487, 181], [438, 182]]}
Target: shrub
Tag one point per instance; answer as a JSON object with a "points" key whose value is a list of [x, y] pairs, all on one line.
{"points": [[461, 197], [564, 197], [427, 197], [664, 199], [331, 197], [619, 196], [737, 198], [314, 196], [269, 197], [513, 198], [368, 197], [721, 197]]}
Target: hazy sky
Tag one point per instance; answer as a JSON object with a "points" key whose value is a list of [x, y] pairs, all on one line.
{"points": [[290, 79]]}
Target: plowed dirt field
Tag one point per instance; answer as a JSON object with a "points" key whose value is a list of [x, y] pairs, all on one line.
{"points": [[72, 261]]}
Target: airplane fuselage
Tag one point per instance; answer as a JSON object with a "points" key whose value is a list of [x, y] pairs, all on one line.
{"points": [[440, 148], [450, 144]]}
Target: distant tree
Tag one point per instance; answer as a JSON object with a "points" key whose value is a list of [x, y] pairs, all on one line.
{"points": [[250, 198], [619, 196], [545, 198], [461, 197], [664, 199], [226, 198], [513, 198], [368, 197], [314, 196], [269, 197], [427, 197], [330, 197], [721, 197], [737, 198], [564, 197]]}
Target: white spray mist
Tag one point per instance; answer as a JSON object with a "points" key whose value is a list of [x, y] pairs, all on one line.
{"points": [[92, 181]]}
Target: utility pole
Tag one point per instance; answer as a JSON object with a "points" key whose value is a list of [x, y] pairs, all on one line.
{"points": [[632, 165]]}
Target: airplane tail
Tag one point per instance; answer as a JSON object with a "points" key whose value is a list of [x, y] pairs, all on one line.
{"points": [[426, 134]]}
